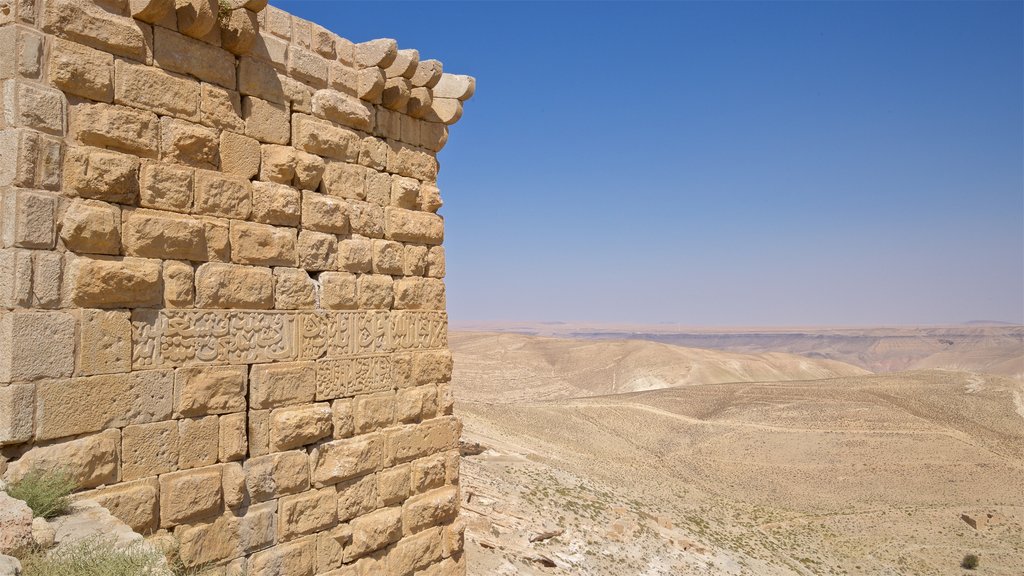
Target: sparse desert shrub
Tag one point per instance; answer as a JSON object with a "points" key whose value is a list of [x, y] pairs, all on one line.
{"points": [[94, 558], [969, 562], [48, 494]]}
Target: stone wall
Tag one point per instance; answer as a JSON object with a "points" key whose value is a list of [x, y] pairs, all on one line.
{"points": [[222, 306]]}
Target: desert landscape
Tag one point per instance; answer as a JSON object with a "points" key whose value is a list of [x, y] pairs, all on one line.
{"points": [[602, 455]]}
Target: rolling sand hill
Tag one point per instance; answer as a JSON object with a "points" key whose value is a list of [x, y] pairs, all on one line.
{"points": [[585, 471]]}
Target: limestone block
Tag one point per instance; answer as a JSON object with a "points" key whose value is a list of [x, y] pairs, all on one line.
{"points": [[380, 53], [393, 485], [179, 284], [164, 235], [220, 108], [453, 538], [81, 70], [338, 291], [17, 407], [324, 213], [283, 384], [413, 226], [239, 155], [427, 73], [343, 416], [330, 547], [338, 460], [278, 164], [33, 106], [293, 288], [233, 478], [229, 536], [259, 79], [416, 441], [432, 366], [188, 143], [151, 11], [302, 33], [25, 47], [197, 18], [94, 403], [414, 404], [345, 180], [149, 450], [376, 291], [411, 161], [47, 273], [259, 432], [262, 244], [317, 251], [117, 127], [294, 558], [307, 66], [166, 187], [272, 49], [102, 175], [420, 103], [414, 263], [309, 170], [409, 127], [134, 503], [36, 345], [436, 507], [104, 342], [189, 495], [91, 227], [374, 411], [200, 441], [278, 22], [374, 531], [16, 271], [366, 219], [151, 88], [355, 255], [405, 192], [428, 473], [266, 121], [404, 65], [378, 188], [306, 513], [324, 138], [222, 195], [275, 475], [28, 219], [88, 23], [209, 390], [276, 204], [297, 426], [374, 153], [89, 461], [323, 42], [430, 198], [238, 31], [388, 257], [444, 110], [396, 94], [415, 553], [419, 294], [233, 438], [455, 86], [15, 530], [343, 109], [356, 497], [433, 136]]}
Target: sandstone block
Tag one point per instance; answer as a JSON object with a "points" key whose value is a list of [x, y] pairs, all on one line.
{"points": [[432, 366], [134, 503], [415, 553], [428, 473], [414, 262], [374, 411], [271, 49], [306, 513], [222, 195], [25, 48], [259, 79], [292, 559], [356, 497], [94, 403], [330, 548], [113, 282], [388, 257], [150, 88], [33, 106], [104, 342], [233, 479], [164, 235], [91, 227], [238, 31], [307, 66], [179, 284], [433, 136], [333, 462], [17, 407], [415, 404], [420, 104], [374, 531], [81, 70], [324, 138], [229, 536], [47, 274], [28, 219], [309, 170], [266, 121], [366, 219], [317, 251], [416, 441], [430, 198], [355, 255], [324, 213], [396, 94], [427, 73], [149, 450], [209, 390], [419, 294], [261, 244], [455, 86], [393, 485], [436, 507], [151, 11], [118, 127], [36, 345], [343, 415], [294, 289], [338, 291], [233, 444], [374, 154], [436, 262], [275, 475], [259, 432], [376, 291], [199, 439], [190, 495], [405, 192], [297, 426], [276, 204], [343, 109], [239, 155], [345, 180], [413, 162], [220, 108], [284, 384], [89, 461], [444, 110], [404, 64], [89, 23], [278, 164], [380, 53], [413, 226], [188, 143], [102, 175], [410, 127], [15, 281], [197, 18], [166, 187]]}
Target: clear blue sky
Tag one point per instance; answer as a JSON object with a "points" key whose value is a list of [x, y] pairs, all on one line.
{"points": [[726, 163]]}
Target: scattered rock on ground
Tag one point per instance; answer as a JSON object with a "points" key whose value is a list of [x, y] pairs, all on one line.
{"points": [[15, 525]]}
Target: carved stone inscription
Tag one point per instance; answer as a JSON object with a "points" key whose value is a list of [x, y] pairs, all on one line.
{"points": [[352, 376], [179, 337]]}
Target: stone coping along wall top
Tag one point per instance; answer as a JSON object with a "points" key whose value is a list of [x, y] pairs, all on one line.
{"points": [[222, 299]]}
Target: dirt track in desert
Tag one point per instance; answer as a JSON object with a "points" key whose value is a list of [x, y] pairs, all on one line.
{"points": [[844, 473]]}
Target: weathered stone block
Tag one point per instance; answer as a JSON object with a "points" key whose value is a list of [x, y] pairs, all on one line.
{"points": [[113, 282], [297, 426], [276, 204], [239, 155], [262, 244], [284, 384], [414, 261], [393, 485], [209, 390], [16, 271], [233, 444], [36, 345], [324, 138], [266, 121], [295, 558], [388, 257], [366, 219], [24, 47], [200, 439], [222, 195], [278, 164], [436, 262], [374, 531], [47, 274], [307, 66], [238, 31], [179, 284], [104, 342], [317, 251], [89, 23], [102, 175], [413, 226], [324, 213], [134, 503], [415, 404], [413, 162], [345, 180], [374, 411], [416, 441], [17, 408], [164, 235], [197, 17], [190, 495], [275, 475], [33, 106], [307, 513], [338, 291], [333, 462], [431, 509], [431, 366], [229, 536], [294, 289], [149, 450], [29, 219], [89, 461], [343, 415], [396, 94], [419, 294], [415, 553], [330, 548], [355, 255], [166, 187], [118, 127], [151, 88], [376, 291], [221, 108], [343, 109], [380, 53], [91, 227], [82, 71], [178, 53], [258, 78], [189, 144]]}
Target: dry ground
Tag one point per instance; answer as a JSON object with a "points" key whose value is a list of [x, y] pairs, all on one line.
{"points": [[851, 474]]}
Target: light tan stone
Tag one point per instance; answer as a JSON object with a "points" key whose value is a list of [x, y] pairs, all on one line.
{"points": [[380, 53], [134, 503], [295, 558], [233, 478], [179, 284], [113, 282], [150, 10], [307, 66], [222, 195], [324, 138], [81, 70], [262, 244], [433, 508], [317, 251], [407, 443], [428, 473], [405, 192], [101, 175], [415, 404], [278, 164], [307, 513], [436, 262], [455, 86], [166, 187], [374, 411], [338, 291], [276, 204], [25, 49], [343, 109], [239, 155], [89, 461], [412, 161], [91, 227], [297, 426], [414, 262], [415, 553], [189, 143], [356, 497], [275, 475], [345, 180], [355, 255], [17, 411], [200, 439], [388, 257], [149, 450], [374, 155], [396, 94], [238, 31], [420, 104], [104, 342], [413, 226], [333, 462], [33, 106], [209, 390], [323, 213], [366, 219], [266, 121], [190, 495], [197, 18], [163, 235], [419, 294], [330, 548], [36, 345], [258, 78], [374, 531], [233, 444], [309, 170], [432, 366], [150, 88], [293, 289], [221, 108], [47, 274], [118, 127], [427, 73], [393, 485], [376, 291], [258, 426], [284, 384], [404, 64], [453, 538], [229, 536], [343, 416]]}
